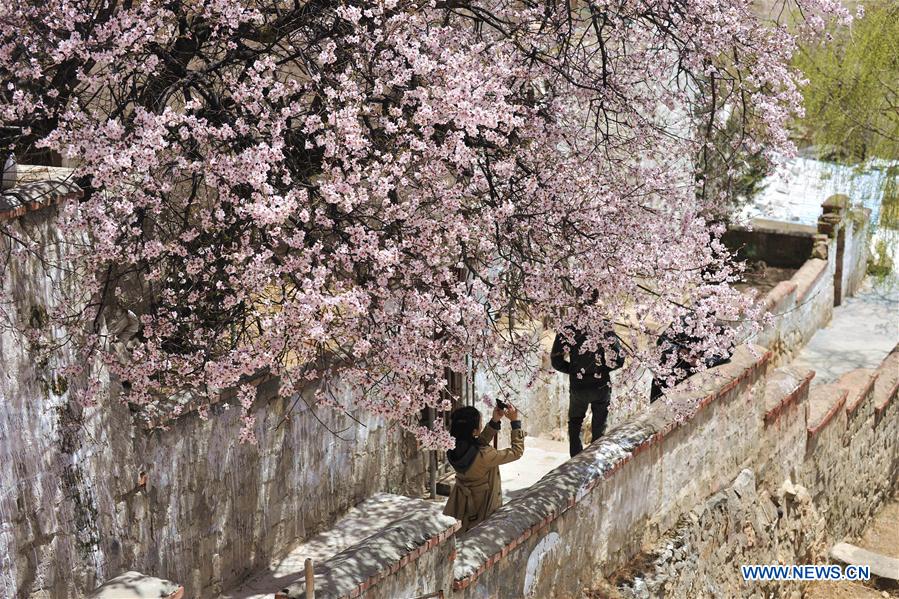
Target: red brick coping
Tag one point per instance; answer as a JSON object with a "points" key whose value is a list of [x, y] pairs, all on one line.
{"points": [[778, 297], [798, 286], [395, 567], [817, 427], [886, 388], [881, 407], [774, 413], [384, 571], [807, 276], [30, 197], [857, 396]]}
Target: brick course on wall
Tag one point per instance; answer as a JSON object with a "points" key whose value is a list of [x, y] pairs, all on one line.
{"points": [[798, 308], [835, 268], [852, 456], [763, 468]]}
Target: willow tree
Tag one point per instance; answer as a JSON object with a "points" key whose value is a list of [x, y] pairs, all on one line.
{"points": [[852, 95]]}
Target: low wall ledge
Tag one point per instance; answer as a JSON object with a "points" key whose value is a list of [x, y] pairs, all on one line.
{"points": [[825, 402], [35, 195], [807, 277], [765, 225], [859, 384], [785, 387], [886, 387], [359, 567], [779, 296]]}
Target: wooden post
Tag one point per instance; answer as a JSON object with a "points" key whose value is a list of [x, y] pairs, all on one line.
{"points": [[430, 414], [310, 579], [432, 475]]}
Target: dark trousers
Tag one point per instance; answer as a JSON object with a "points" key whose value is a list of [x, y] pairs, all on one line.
{"points": [[597, 398]]}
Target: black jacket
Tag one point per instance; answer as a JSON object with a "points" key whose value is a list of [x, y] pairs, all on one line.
{"points": [[586, 369], [671, 343]]}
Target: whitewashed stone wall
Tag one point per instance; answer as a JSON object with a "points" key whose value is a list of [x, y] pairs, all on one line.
{"points": [[620, 494], [76, 510], [762, 469], [742, 524], [802, 504]]}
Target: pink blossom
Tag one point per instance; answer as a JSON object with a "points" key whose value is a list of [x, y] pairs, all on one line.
{"points": [[363, 193]]}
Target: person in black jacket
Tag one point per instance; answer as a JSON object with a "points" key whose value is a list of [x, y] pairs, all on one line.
{"points": [[589, 383], [676, 347]]}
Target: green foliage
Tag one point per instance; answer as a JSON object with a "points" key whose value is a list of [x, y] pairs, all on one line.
{"points": [[889, 207], [852, 99], [880, 264]]}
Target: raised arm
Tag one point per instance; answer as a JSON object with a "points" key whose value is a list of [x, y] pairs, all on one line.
{"points": [[491, 428], [493, 457], [489, 431]]}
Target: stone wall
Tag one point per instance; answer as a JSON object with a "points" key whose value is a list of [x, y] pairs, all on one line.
{"points": [[835, 268], [836, 250], [798, 308], [851, 464], [406, 558], [858, 248], [747, 465], [847, 231], [86, 493], [779, 244], [742, 524], [826, 459], [805, 501], [621, 494]]}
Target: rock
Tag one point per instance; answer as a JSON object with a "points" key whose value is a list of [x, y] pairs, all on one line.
{"points": [[640, 589], [788, 489], [744, 485], [882, 566]]}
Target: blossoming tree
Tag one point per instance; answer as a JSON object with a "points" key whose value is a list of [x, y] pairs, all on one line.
{"points": [[372, 191]]}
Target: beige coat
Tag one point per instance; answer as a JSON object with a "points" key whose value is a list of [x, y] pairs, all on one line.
{"points": [[478, 491]]}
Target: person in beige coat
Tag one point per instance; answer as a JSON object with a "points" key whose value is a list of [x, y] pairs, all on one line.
{"points": [[477, 492]]}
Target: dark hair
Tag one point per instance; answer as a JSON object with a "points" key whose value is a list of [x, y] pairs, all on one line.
{"points": [[464, 422]]}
